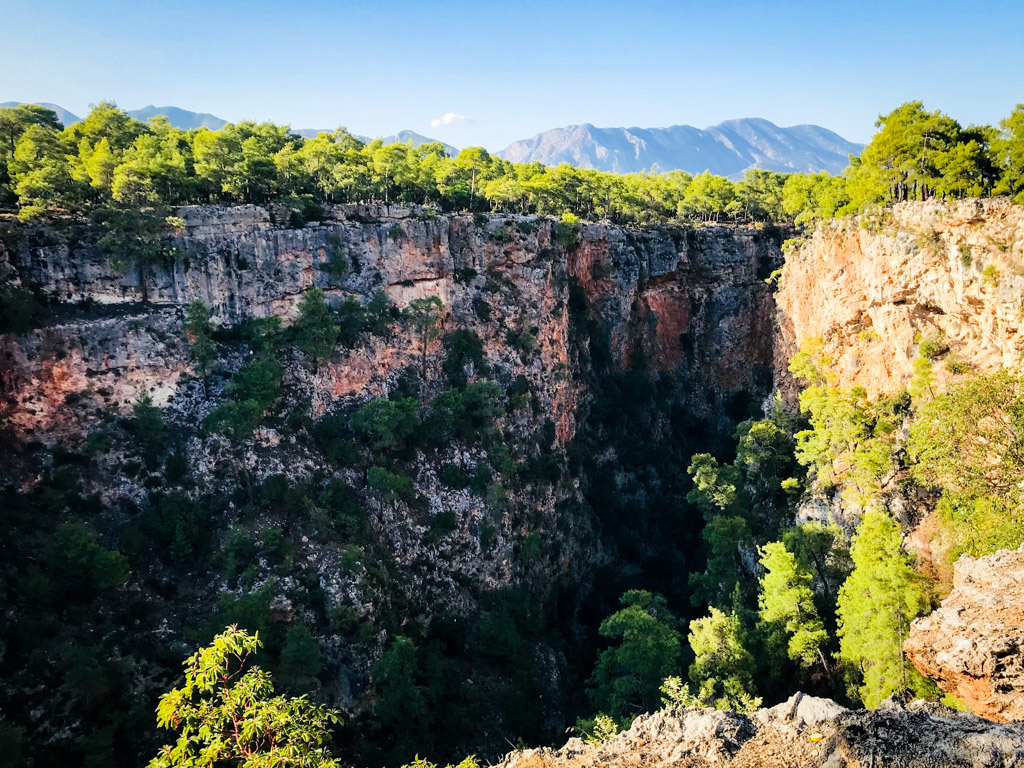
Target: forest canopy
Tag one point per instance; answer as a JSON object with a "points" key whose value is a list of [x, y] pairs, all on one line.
{"points": [[110, 157]]}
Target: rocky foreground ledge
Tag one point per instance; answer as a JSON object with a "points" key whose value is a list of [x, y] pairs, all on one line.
{"points": [[915, 735]]}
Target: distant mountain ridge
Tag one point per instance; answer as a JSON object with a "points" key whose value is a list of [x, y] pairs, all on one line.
{"points": [[184, 119], [66, 118], [188, 120], [726, 149]]}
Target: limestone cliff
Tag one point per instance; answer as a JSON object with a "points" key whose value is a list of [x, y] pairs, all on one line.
{"points": [[973, 645], [874, 286], [555, 316], [691, 301]]}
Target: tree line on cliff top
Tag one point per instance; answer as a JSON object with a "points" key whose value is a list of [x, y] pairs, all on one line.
{"points": [[110, 157]]}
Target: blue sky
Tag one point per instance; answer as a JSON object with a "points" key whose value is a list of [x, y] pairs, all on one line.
{"points": [[506, 71]]}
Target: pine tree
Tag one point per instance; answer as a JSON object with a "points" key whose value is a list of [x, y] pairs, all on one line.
{"points": [[723, 669], [628, 676], [876, 605], [788, 617], [198, 331], [315, 331]]}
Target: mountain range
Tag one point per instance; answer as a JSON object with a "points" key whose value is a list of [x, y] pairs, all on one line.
{"points": [[727, 149]]}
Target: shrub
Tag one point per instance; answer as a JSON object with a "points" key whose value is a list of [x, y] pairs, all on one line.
{"points": [[524, 339], [336, 264], [464, 348], [300, 657], [990, 275], [387, 424], [314, 331], [932, 346], [481, 308], [965, 256], [957, 367], [394, 485], [177, 523], [84, 560], [454, 476], [260, 381], [566, 231], [444, 522], [19, 310], [237, 420], [518, 393]]}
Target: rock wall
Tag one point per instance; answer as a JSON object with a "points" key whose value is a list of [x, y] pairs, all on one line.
{"points": [[692, 302], [692, 305], [973, 645], [872, 287]]}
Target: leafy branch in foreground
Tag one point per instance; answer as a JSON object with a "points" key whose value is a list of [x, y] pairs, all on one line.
{"points": [[228, 715]]}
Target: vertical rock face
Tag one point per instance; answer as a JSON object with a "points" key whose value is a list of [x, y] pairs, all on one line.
{"points": [[690, 302], [872, 288], [973, 646], [689, 307]]}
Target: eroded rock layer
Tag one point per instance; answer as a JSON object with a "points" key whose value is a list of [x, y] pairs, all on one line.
{"points": [[873, 287], [973, 645]]}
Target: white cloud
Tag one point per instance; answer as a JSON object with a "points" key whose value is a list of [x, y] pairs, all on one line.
{"points": [[448, 118]]}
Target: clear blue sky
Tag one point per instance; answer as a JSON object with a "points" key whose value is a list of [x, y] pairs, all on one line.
{"points": [[512, 69]]}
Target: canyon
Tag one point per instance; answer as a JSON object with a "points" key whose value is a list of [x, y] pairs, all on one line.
{"points": [[696, 325]]}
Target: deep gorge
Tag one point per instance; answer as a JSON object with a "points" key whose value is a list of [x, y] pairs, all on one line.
{"points": [[617, 354]]}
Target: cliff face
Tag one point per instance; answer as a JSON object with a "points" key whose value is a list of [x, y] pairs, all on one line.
{"points": [[692, 303], [872, 288], [973, 645], [689, 309]]}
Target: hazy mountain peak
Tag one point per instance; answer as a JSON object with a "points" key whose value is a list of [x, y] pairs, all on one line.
{"points": [[65, 117], [728, 149]]}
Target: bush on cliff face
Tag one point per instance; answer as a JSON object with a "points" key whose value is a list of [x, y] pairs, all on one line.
{"points": [[387, 425], [314, 330], [969, 441]]}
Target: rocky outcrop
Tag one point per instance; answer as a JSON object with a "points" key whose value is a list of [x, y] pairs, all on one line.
{"points": [[804, 731], [873, 287], [973, 646]]}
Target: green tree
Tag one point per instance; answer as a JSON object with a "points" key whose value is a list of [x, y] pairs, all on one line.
{"points": [[628, 676], [823, 550], [425, 315], [300, 656], [876, 605], [134, 239], [717, 490], [402, 702], [922, 384], [227, 714], [788, 617], [387, 424], [85, 560], [723, 669], [1008, 151], [314, 330], [199, 332]]}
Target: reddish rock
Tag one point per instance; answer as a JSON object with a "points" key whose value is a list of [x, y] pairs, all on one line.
{"points": [[871, 289], [973, 646]]}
